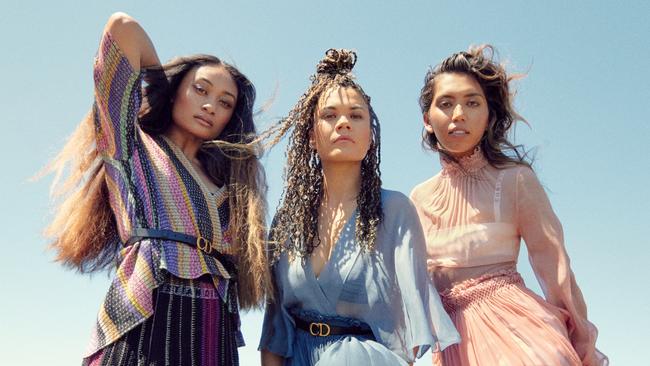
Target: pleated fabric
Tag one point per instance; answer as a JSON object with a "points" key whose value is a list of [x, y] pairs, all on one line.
{"points": [[190, 326], [474, 217], [501, 322]]}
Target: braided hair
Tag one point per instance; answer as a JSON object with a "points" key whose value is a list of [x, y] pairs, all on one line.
{"points": [[295, 227]]}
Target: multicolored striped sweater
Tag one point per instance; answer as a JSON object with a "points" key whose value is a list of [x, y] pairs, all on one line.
{"points": [[151, 185]]}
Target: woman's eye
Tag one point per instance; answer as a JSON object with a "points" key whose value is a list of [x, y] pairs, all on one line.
{"points": [[473, 103], [328, 116], [444, 104], [356, 116], [199, 89], [225, 104]]}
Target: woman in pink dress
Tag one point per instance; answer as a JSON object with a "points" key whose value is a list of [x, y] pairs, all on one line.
{"points": [[475, 213]]}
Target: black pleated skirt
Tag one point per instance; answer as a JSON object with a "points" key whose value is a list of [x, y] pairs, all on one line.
{"points": [[191, 325]]}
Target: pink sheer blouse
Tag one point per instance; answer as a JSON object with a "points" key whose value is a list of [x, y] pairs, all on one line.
{"points": [[474, 218]]}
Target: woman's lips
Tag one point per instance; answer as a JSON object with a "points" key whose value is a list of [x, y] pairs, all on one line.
{"points": [[343, 138], [458, 132], [203, 121]]}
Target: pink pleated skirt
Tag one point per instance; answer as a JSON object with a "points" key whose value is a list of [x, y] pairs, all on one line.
{"points": [[501, 322]]}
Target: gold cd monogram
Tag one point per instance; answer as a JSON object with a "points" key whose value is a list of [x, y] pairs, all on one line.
{"points": [[319, 329], [204, 244]]}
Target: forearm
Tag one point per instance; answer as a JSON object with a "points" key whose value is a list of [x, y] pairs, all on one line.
{"points": [[271, 359], [132, 40]]}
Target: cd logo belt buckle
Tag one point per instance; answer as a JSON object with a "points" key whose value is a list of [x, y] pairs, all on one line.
{"points": [[319, 329], [204, 244]]}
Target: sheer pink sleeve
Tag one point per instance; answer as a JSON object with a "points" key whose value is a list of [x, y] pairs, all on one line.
{"points": [[542, 232]]}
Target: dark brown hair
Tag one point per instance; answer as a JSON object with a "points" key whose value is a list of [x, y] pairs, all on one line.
{"points": [[479, 63], [295, 227], [84, 228]]}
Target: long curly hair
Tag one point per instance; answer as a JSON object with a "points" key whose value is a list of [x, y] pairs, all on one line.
{"points": [[84, 230], [480, 63], [295, 226]]}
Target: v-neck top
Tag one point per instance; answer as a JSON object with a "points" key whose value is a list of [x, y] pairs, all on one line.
{"points": [[387, 288], [151, 184], [350, 221]]}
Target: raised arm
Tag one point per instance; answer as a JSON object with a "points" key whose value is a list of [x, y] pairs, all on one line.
{"points": [[542, 232], [132, 40], [124, 50]]}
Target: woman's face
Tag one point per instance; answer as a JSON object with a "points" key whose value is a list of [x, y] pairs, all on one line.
{"points": [[459, 113], [342, 130], [204, 102]]}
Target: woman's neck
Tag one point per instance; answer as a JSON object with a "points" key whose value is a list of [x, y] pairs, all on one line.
{"points": [[342, 182], [187, 143]]}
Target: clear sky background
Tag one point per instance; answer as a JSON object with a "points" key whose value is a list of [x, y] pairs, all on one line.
{"points": [[586, 97]]}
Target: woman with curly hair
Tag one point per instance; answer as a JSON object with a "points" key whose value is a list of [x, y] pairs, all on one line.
{"points": [[166, 182], [350, 285], [474, 214]]}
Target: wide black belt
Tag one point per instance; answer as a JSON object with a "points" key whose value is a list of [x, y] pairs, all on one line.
{"points": [[199, 242], [323, 329]]}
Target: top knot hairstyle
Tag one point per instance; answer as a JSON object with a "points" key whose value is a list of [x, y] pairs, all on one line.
{"points": [[479, 62], [340, 61], [295, 227]]}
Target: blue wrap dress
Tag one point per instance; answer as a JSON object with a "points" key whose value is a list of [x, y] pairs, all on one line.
{"points": [[388, 289]]}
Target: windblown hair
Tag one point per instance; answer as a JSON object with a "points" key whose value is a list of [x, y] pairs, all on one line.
{"points": [[295, 227], [479, 62], [84, 229]]}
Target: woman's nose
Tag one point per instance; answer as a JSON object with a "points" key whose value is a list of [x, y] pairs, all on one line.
{"points": [[459, 114], [343, 122], [208, 108]]}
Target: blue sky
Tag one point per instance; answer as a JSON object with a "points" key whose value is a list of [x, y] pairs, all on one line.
{"points": [[585, 96]]}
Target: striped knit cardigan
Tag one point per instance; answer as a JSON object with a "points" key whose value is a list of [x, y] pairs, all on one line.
{"points": [[152, 185]]}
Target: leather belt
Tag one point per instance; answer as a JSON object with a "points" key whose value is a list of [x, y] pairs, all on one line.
{"points": [[199, 242]]}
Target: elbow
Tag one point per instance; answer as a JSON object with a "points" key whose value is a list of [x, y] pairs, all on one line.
{"points": [[119, 21]]}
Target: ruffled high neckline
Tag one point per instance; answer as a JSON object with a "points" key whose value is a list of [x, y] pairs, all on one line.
{"points": [[467, 165]]}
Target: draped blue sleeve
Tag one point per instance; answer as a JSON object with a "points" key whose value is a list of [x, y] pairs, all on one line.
{"points": [[278, 329], [425, 324], [387, 288]]}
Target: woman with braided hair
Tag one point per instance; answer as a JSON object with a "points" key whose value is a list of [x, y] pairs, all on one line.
{"points": [[350, 288], [167, 188], [475, 213]]}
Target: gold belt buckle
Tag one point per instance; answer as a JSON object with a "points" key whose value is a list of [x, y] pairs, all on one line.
{"points": [[204, 244], [319, 329]]}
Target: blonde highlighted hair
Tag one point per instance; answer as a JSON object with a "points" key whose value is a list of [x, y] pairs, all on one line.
{"points": [[295, 227]]}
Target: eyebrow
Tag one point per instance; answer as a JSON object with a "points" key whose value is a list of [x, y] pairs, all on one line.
{"points": [[468, 95], [354, 107], [212, 85]]}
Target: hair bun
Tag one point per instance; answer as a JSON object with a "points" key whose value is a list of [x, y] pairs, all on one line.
{"points": [[337, 61]]}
